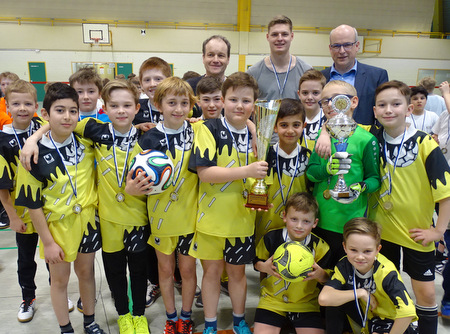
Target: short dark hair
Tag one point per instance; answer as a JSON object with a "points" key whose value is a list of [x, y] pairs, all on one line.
{"points": [[290, 107], [220, 37], [190, 74], [303, 202], [59, 91], [396, 84], [280, 19], [208, 85], [86, 75], [364, 226], [240, 79], [419, 90]]}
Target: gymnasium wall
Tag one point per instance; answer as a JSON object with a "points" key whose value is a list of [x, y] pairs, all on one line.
{"points": [[59, 46]]}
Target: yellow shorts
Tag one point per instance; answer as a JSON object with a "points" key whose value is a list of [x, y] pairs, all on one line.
{"points": [[116, 237], [233, 250], [168, 245], [68, 233]]}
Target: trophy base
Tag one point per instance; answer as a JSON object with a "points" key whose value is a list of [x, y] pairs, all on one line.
{"points": [[346, 199], [340, 193], [257, 201]]}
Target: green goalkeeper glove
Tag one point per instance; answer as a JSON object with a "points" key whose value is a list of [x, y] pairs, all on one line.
{"points": [[339, 163]]}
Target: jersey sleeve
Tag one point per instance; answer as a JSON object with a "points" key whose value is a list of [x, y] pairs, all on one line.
{"points": [[204, 154], [338, 281], [438, 170], [371, 164], [399, 296], [28, 190]]}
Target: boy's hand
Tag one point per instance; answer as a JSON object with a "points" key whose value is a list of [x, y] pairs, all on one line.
{"points": [[29, 150], [318, 274], [194, 120], [145, 126], [323, 144], [358, 186], [435, 137], [258, 169], [17, 224], [426, 236], [444, 88], [339, 163], [268, 267], [138, 186], [53, 253]]}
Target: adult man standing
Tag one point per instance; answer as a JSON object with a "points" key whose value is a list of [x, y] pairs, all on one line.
{"points": [[344, 46], [278, 75]]}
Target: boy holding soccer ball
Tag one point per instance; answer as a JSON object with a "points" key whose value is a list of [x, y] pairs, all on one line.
{"points": [[295, 301], [172, 213], [367, 283], [124, 230]]}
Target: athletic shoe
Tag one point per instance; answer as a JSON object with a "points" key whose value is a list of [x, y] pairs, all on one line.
{"points": [[242, 328], [224, 287], [153, 292], [440, 266], [70, 305], [209, 330], [79, 305], [170, 328], [126, 324], [26, 311], [185, 326], [141, 324], [4, 219], [199, 301], [93, 329], [445, 310]]}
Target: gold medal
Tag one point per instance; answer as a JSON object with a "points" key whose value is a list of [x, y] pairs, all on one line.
{"points": [[245, 193], [444, 150], [388, 205], [173, 196], [120, 197], [326, 194], [77, 208]]}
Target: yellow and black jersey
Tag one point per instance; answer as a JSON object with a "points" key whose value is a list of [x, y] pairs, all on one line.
{"points": [[172, 212], [421, 178], [11, 141], [147, 113], [280, 295], [383, 281], [311, 130], [293, 180], [114, 204], [48, 185], [221, 205]]}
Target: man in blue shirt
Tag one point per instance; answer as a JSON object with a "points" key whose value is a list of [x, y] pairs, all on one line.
{"points": [[344, 46]]}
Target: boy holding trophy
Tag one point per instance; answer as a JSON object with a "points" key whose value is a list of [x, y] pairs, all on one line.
{"points": [[357, 157]]}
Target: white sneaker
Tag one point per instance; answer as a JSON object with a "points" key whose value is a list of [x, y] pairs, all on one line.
{"points": [[70, 305], [26, 311]]}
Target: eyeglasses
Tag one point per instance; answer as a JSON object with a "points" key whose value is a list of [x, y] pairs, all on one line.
{"points": [[346, 46], [326, 102]]}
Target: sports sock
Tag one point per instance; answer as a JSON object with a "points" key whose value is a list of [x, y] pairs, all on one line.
{"points": [[88, 320], [211, 322], [428, 319], [237, 318], [67, 329], [172, 316], [184, 315]]}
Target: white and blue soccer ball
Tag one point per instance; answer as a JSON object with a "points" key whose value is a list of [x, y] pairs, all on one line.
{"points": [[155, 164]]}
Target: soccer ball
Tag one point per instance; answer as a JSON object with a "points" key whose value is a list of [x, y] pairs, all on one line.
{"points": [[293, 261], [155, 164]]}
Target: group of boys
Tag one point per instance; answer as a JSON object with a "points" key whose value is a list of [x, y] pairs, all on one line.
{"points": [[77, 208]]}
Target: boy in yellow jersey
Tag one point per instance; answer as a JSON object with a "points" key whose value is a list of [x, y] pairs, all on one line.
{"points": [[287, 165], [225, 162], [21, 102], [172, 213], [367, 283], [309, 91], [295, 301], [61, 196], [415, 176]]}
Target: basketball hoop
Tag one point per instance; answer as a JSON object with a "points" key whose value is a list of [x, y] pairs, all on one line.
{"points": [[96, 41]]}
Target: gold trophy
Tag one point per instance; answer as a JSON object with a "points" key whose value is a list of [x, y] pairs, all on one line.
{"points": [[265, 117], [341, 127]]}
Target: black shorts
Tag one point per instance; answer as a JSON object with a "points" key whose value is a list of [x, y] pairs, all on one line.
{"points": [[298, 319], [418, 265]]}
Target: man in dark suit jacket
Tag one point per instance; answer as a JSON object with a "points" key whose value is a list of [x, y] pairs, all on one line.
{"points": [[344, 46]]}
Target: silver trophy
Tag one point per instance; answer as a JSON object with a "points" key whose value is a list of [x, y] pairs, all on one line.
{"points": [[341, 127]]}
